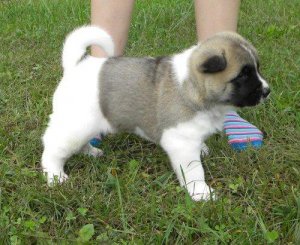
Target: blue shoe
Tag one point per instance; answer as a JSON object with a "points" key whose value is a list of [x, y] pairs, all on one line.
{"points": [[96, 142]]}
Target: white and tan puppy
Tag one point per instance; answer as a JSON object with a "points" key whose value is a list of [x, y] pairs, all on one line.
{"points": [[176, 101]]}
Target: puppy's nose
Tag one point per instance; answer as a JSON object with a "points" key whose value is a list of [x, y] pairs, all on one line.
{"points": [[266, 92]]}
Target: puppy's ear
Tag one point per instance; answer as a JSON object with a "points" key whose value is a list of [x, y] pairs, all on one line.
{"points": [[215, 63]]}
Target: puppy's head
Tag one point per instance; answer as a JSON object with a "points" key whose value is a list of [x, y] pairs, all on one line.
{"points": [[225, 68]]}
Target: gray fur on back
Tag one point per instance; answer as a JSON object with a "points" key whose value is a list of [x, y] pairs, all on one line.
{"points": [[141, 93]]}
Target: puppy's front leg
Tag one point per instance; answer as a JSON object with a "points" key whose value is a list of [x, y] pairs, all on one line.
{"points": [[184, 154]]}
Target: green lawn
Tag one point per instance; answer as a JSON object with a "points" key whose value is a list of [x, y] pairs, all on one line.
{"points": [[131, 194]]}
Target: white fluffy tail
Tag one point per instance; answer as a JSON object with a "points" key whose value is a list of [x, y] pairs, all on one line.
{"points": [[77, 42]]}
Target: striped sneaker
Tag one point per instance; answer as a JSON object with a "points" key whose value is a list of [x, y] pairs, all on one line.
{"points": [[241, 133]]}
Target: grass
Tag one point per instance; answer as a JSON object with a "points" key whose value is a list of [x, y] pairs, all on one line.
{"points": [[131, 194]]}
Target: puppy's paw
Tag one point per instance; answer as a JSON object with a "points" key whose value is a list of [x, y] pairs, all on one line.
{"points": [[200, 191], [56, 177], [204, 150], [95, 152], [92, 151]]}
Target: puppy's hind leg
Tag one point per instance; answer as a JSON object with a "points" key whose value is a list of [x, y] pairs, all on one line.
{"points": [[62, 140], [76, 117], [56, 152]]}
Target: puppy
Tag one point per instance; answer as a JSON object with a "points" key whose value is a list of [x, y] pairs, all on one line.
{"points": [[176, 101]]}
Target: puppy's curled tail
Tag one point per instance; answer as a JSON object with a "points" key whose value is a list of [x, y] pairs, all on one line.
{"points": [[81, 38]]}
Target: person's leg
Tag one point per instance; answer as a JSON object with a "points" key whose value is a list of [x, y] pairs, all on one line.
{"points": [[213, 16], [114, 17]]}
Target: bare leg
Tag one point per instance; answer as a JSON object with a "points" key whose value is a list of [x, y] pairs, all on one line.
{"points": [[214, 16], [114, 17]]}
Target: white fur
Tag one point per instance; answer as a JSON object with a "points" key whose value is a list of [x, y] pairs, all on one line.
{"points": [[263, 81], [184, 144], [76, 117], [78, 40], [180, 65], [250, 52]]}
